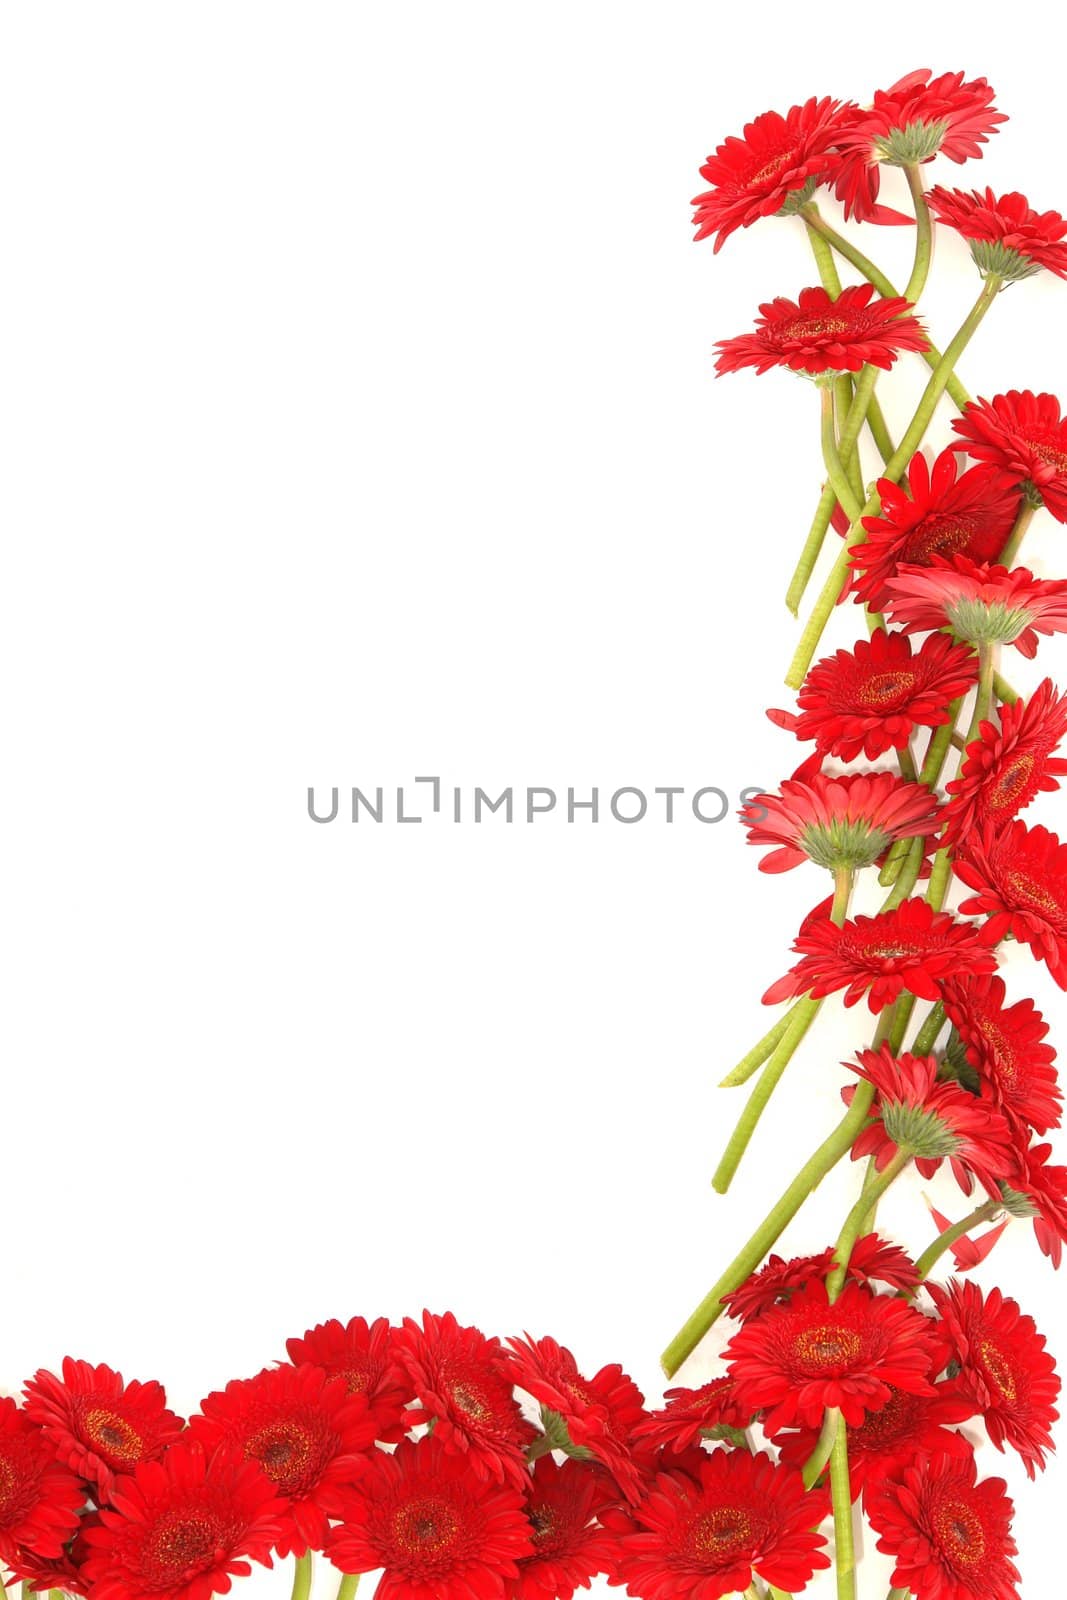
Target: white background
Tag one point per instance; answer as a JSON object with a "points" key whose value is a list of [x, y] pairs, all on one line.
{"points": [[359, 423]]}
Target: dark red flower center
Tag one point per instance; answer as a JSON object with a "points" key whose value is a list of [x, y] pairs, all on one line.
{"points": [[829, 1346], [720, 1533], [773, 167], [939, 535], [471, 1402], [9, 1480], [290, 1453], [822, 325], [357, 1379], [959, 1532], [1011, 782], [112, 1435], [182, 1542], [998, 1047], [997, 1370], [1053, 455], [885, 690], [880, 1429], [426, 1528], [1036, 896]]}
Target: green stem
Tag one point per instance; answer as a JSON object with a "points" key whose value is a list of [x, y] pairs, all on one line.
{"points": [[898, 1594], [932, 1255], [927, 1035], [930, 774], [935, 388], [813, 544], [863, 264], [830, 1152], [755, 1058], [906, 763], [813, 1467], [832, 458], [846, 1239], [852, 424], [801, 1018], [302, 1573], [1004, 691], [1018, 532], [804, 1014], [348, 1586], [841, 1495], [879, 432], [924, 235], [983, 700]]}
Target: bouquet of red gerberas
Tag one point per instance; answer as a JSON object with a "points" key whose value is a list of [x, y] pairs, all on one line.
{"points": [[861, 1374], [464, 1468]]}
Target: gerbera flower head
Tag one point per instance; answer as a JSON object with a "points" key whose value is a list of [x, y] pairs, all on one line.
{"points": [[464, 1386], [773, 167], [911, 948], [39, 1497], [939, 511], [920, 117], [815, 334], [595, 1416], [799, 1359], [363, 1355], [712, 1532], [870, 699], [1004, 1368], [562, 1504], [690, 1415], [872, 1260], [1037, 1191], [61, 1573], [933, 1121], [839, 823], [1019, 875], [1005, 1046], [1008, 239], [1022, 434], [950, 1535], [1008, 765], [98, 1424], [982, 604], [182, 1527], [307, 1433], [439, 1530], [908, 1426]]}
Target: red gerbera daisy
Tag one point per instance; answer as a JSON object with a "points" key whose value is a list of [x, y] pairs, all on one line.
{"points": [[307, 1433], [870, 699], [98, 1424], [1020, 878], [436, 1527], [935, 1121], [464, 1386], [691, 1415], [1038, 1190], [981, 603], [1005, 1045], [1007, 766], [1024, 435], [737, 1517], [845, 822], [919, 117], [362, 1354], [61, 1574], [908, 1426], [912, 948], [182, 1527], [39, 1498], [599, 1414], [875, 1260], [872, 1260], [775, 165], [817, 334], [800, 1359], [1004, 1368], [937, 513], [562, 1504], [1008, 238], [950, 1535]]}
